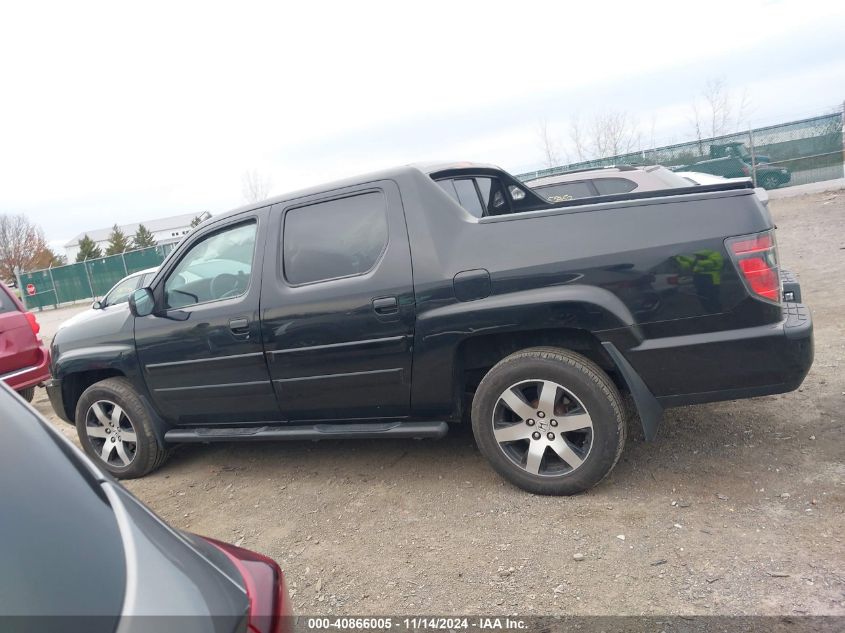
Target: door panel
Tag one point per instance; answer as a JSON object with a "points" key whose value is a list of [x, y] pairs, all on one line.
{"points": [[339, 348], [202, 357]]}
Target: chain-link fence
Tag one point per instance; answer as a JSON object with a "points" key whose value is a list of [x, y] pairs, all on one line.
{"points": [[794, 153], [85, 280]]}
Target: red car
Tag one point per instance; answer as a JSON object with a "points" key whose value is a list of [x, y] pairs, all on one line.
{"points": [[24, 359]]}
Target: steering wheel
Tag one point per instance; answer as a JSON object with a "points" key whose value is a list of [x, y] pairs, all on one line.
{"points": [[225, 285]]}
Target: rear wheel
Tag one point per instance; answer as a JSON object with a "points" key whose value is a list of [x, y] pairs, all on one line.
{"points": [[27, 394], [549, 420], [115, 429]]}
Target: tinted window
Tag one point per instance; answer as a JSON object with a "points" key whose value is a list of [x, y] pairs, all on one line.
{"points": [[493, 196], [468, 196], [334, 239], [566, 191], [607, 186], [216, 267]]}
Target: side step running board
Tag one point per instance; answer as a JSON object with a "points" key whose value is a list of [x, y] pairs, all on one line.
{"points": [[415, 430]]}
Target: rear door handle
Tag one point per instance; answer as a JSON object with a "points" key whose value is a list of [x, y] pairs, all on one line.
{"points": [[239, 326], [386, 305]]}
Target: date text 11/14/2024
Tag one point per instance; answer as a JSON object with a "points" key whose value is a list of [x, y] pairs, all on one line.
{"points": [[415, 624]]}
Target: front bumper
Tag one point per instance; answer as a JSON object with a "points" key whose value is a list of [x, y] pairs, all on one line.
{"points": [[728, 365]]}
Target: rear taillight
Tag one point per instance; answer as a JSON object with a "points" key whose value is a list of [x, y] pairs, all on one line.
{"points": [[33, 322], [745, 170], [269, 607], [756, 259]]}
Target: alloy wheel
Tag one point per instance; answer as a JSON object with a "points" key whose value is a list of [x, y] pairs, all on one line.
{"points": [[542, 428], [111, 433]]}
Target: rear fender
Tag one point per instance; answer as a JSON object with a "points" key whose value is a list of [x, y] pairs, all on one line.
{"points": [[441, 331]]}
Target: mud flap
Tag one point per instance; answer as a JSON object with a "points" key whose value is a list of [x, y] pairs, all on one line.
{"points": [[648, 408]]}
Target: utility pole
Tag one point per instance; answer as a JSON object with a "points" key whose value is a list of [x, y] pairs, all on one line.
{"points": [[53, 282], [17, 272], [753, 156], [88, 275]]}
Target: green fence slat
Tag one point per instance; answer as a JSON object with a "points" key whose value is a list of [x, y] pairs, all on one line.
{"points": [[85, 280], [811, 149]]}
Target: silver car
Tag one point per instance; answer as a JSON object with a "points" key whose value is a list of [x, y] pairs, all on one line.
{"points": [[604, 181]]}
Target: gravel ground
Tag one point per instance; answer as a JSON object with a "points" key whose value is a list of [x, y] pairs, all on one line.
{"points": [[737, 508]]}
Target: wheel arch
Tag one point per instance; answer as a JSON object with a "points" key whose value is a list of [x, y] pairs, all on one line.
{"points": [[74, 385], [452, 337]]}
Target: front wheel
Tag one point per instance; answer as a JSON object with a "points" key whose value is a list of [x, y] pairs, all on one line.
{"points": [[549, 421], [115, 429]]}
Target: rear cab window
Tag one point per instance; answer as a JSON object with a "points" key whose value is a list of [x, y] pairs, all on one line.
{"points": [[479, 195]]}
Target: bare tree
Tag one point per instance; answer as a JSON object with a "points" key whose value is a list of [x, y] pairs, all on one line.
{"points": [[613, 133], [255, 186], [606, 134], [744, 110], [549, 146], [717, 101], [695, 122], [716, 111], [577, 136], [22, 246]]}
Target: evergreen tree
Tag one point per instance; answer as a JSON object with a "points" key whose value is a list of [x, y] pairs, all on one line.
{"points": [[118, 242], [88, 249], [143, 238]]}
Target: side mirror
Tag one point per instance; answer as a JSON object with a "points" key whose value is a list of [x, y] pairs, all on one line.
{"points": [[141, 302], [97, 305]]}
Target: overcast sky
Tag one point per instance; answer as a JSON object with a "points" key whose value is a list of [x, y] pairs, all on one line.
{"points": [[115, 115]]}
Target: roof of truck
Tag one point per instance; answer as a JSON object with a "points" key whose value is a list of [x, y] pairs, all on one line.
{"points": [[385, 174]]}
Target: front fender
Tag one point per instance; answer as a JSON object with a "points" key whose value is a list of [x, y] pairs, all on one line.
{"points": [[119, 358]]}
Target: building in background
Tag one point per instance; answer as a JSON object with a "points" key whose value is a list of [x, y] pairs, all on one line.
{"points": [[167, 232]]}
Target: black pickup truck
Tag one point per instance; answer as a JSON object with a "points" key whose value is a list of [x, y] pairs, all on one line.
{"points": [[397, 303]]}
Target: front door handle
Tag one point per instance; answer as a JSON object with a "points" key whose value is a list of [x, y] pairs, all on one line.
{"points": [[386, 305], [239, 326]]}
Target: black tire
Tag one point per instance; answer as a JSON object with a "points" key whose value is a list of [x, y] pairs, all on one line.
{"points": [[148, 454], [579, 381], [27, 394]]}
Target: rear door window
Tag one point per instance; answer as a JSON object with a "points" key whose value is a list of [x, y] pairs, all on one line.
{"points": [[334, 239], [609, 186]]}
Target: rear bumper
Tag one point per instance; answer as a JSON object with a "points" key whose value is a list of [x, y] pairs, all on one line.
{"points": [[57, 401], [728, 365], [32, 375]]}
